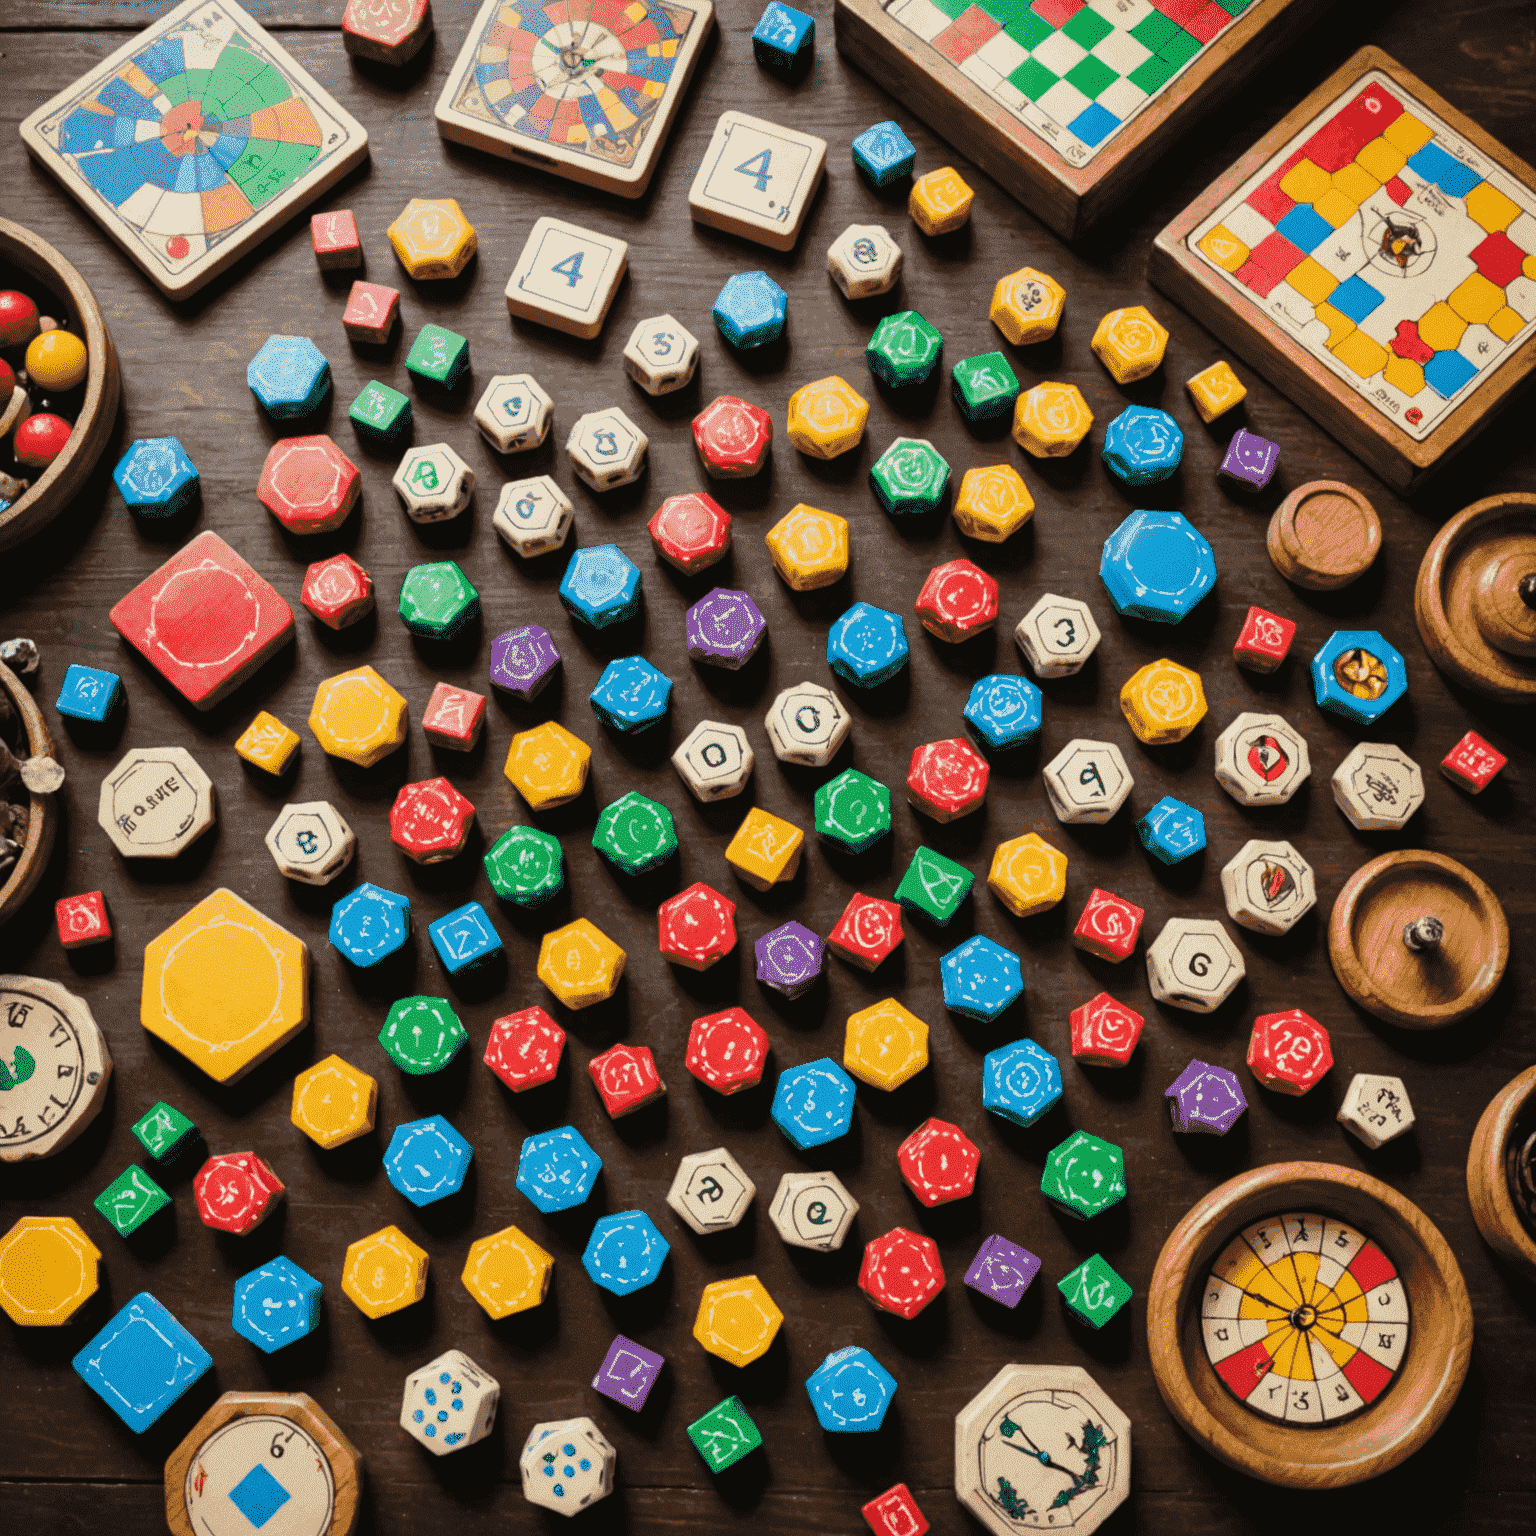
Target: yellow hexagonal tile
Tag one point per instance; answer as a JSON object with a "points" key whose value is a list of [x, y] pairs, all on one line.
{"points": [[548, 765], [940, 201], [993, 503], [1476, 300], [1441, 327], [1051, 419], [225, 986], [1381, 159], [1163, 702], [358, 716], [384, 1272], [1215, 390], [334, 1102], [267, 743], [580, 964], [432, 238], [765, 850], [1026, 306], [1407, 133], [507, 1272], [49, 1269], [1404, 374], [1130, 343], [885, 1044], [827, 417], [809, 547], [738, 1320], [1491, 208], [1028, 875]]}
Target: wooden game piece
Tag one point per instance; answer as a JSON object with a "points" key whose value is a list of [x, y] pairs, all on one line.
{"points": [[427, 1160], [236, 1191], [534, 516], [784, 40], [430, 820], [1130, 343], [711, 1193], [1378, 787], [901, 1272], [732, 438], [750, 310], [885, 1045], [450, 1403], [853, 811], [947, 779], [40, 439], [765, 850], [371, 312], [130, 1201], [1088, 781], [1105, 1032], [276, 1305], [49, 1270], [514, 412], [1264, 641], [1083, 1175], [1261, 759], [1205, 1100], [1289, 1052], [850, 1392], [432, 239], [142, 1362], [18, 319], [631, 695], [308, 484], [369, 924], [1109, 926], [524, 1049], [88, 693], [1472, 763], [809, 548], [635, 833], [566, 277], [334, 235], [1171, 831], [867, 646], [1215, 391], [547, 765], [958, 600], [625, 1253], [757, 179], [697, 927], [507, 1273], [1057, 636], [1376, 1109], [381, 416], [1093, 1292], [1142, 446], [557, 1170], [465, 939], [437, 599], [358, 716], [1268, 887], [205, 621], [607, 449], [826, 418], [82, 920], [894, 1513], [333, 1102], [813, 1210], [433, 483], [1324, 535], [1026, 306], [1194, 964], [154, 477], [714, 760], [156, 803], [935, 886], [1051, 419], [1020, 1082], [580, 964], [992, 504], [940, 201], [454, 717], [164, 1132], [523, 660], [903, 350], [938, 1162], [807, 724], [1028, 875], [1003, 711], [789, 959], [438, 356], [1250, 460], [868, 932], [422, 1035], [727, 1051], [393, 32], [691, 531], [290, 376], [1002, 1271], [337, 591], [1158, 566], [813, 1103], [661, 355], [310, 842], [984, 387], [864, 261], [725, 1435], [1359, 674], [575, 1452], [268, 744], [1163, 702], [884, 153]]}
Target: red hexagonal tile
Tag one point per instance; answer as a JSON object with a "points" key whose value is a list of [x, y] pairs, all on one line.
{"points": [[726, 1051], [337, 591], [958, 600], [524, 1049], [691, 531], [430, 820], [1105, 1032], [732, 437], [939, 1161], [696, 927], [308, 484], [1109, 925], [868, 931], [626, 1078], [901, 1272], [1289, 1051], [236, 1192], [947, 779]]}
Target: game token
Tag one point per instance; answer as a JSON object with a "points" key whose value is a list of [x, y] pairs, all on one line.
{"points": [[958, 600], [1027, 874], [557, 1170], [82, 920], [1094, 1293], [438, 356], [1129, 343], [1215, 391], [507, 1273], [333, 1102], [1001, 1271], [1026, 306], [1250, 460], [38, 440], [381, 416], [601, 586], [1194, 964], [384, 1273], [1084, 1175], [142, 1363], [853, 811], [1378, 787], [164, 1132], [454, 717], [864, 261], [156, 803], [236, 1191], [625, 1252], [1376, 1109], [371, 312], [711, 1193], [607, 449], [813, 1103], [1051, 419], [130, 1201], [524, 1049], [691, 531], [1472, 763], [826, 418], [155, 477], [1157, 565], [813, 1210], [1142, 446], [333, 236], [628, 1372], [1020, 1082], [757, 179], [714, 760], [1268, 887], [750, 310], [809, 548], [724, 628], [982, 980], [904, 349], [49, 1270], [696, 927], [268, 744], [725, 1435], [430, 821], [426, 1160], [437, 600], [580, 964], [1109, 926], [1088, 781], [985, 387], [631, 695], [1205, 1100], [88, 693], [1003, 711], [433, 483], [661, 355], [884, 153], [369, 924], [788, 959], [18, 319], [885, 1045], [1264, 641], [938, 1162], [1171, 831], [732, 437], [1105, 1033], [868, 932], [337, 591], [940, 202], [947, 779], [765, 850], [934, 885], [276, 1305], [910, 477], [567, 1466], [992, 504], [850, 1392], [635, 833], [727, 1051], [1359, 675], [1324, 535], [867, 646], [432, 239], [449, 1403], [465, 938], [547, 765], [514, 412], [1057, 636], [1261, 760], [1162, 702], [422, 1035], [1289, 1051], [901, 1272], [523, 661]]}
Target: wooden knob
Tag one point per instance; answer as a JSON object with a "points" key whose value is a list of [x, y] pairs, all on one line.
{"points": [[1423, 933], [1504, 602], [1324, 535]]}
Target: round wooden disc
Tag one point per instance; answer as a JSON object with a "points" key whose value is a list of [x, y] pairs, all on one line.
{"points": [[1493, 1208], [1324, 535], [1499, 611], [1428, 989]]}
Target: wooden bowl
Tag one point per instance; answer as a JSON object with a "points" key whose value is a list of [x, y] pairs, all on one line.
{"points": [[1493, 1208], [1305, 1455], [1432, 988], [43, 823], [62, 481]]}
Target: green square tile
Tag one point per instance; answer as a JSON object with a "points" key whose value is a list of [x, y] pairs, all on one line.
{"points": [[984, 386], [954, 9], [1005, 12], [1154, 29], [1028, 30], [1087, 28], [163, 1131], [724, 1435], [1033, 79], [1234, 7], [130, 1200], [1180, 48], [380, 413], [1091, 76], [934, 885], [438, 354], [1093, 1291], [1152, 74]]}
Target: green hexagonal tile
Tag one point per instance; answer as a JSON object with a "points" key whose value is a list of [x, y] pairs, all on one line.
{"points": [[853, 810], [422, 1034], [1084, 1175], [525, 866], [635, 833], [910, 477], [904, 349], [437, 599]]}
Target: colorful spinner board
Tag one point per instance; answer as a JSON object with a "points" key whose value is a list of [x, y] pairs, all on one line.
{"points": [[1375, 256], [193, 141], [587, 89]]}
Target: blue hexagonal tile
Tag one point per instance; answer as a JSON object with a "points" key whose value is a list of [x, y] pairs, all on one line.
{"points": [[426, 1160], [751, 310], [1003, 711], [625, 1252], [867, 645], [1171, 831], [557, 1169], [465, 938], [155, 477], [981, 978], [813, 1103], [601, 586], [1157, 565], [850, 1391], [276, 1305], [1020, 1081], [289, 375], [631, 694], [1143, 445], [369, 924], [884, 153], [1359, 674]]}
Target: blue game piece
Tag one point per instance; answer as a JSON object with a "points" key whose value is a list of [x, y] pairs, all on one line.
{"points": [[783, 39], [884, 153], [1171, 831], [981, 978], [289, 375], [850, 1391], [866, 646], [1359, 675], [89, 693], [155, 477], [464, 938], [426, 1160], [751, 309], [601, 586], [276, 1305], [1250, 460], [625, 1252], [631, 694], [1020, 1081], [813, 1104], [141, 1362], [1157, 565], [557, 1169], [1143, 445], [369, 924], [1003, 711]]}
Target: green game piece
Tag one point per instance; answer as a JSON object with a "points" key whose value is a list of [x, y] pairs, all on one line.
{"points": [[984, 387], [163, 1131], [525, 866], [422, 1034], [130, 1200], [437, 600], [438, 355], [910, 477], [853, 810], [381, 415], [635, 834], [724, 1435], [934, 885], [904, 349], [1084, 1175], [1093, 1291]]}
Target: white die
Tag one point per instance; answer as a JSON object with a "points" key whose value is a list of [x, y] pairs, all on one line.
{"points": [[807, 724], [1194, 964], [514, 413], [715, 760], [567, 1465], [711, 1192], [661, 355], [607, 448], [433, 483], [311, 842], [1087, 781], [813, 1210], [1261, 760], [1268, 886], [156, 802], [1378, 787], [449, 1403], [1376, 1109], [864, 260], [533, 516], [1057, 635]]}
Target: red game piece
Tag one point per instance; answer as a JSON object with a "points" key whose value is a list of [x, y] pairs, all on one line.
{"points": [[337, 591], [390, 31], [939, 1161], [895, 1513], [732, 437], [18, 318], [948, 779], [726, 1051], [1472, 763], [691, 531], [430, 821], [40, 439], [7, 384], [1105, 1033], [308, 484], [868, 931], [1109, 925], [334, 237], [524, 1049], [1264, 642], [626, 1078], [958, 600], [205, 620], [454, 717], [696, 927], [901, 1272], [1289, 1051], [82, 920], [236, 1192], [371, 312]]}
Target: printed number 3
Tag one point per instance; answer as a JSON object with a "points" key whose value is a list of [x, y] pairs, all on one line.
{"points": [[570, 268], [756, 166]]}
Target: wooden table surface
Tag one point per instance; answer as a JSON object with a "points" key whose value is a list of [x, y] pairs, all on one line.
{"points": [[67, 1465]]}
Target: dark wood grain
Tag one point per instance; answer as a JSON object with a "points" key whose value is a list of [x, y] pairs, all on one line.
{"points": [[66, 1465]]}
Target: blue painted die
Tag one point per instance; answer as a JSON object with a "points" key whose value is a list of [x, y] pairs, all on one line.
{"points": [[464, 938], [813, 1104], [1171, 831], [601, 586], [1359, 674], [1002, 1270], [1157, 565], [155, 477], [866, 646], [557, 1169], [1020, 1081], [850, 1391], [276, 1305], [751, 309], [369, 924], [981, 978], [1250, 460], [426, 1160], [783, 39], [89, 693], [141, 1362], [289, 375], [884, 153], [1003, 711], [631, 694], [1143, 445], [625, 1252]]}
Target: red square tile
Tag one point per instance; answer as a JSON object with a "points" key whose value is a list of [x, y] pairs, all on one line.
{"points": [[1109, 926], [1057, 12], [371, 312], [454, 717], [1267, 198], [963, 36], [1472, 763], [1206, 22], [82, 920], [1264, 642], [895, 1513], [334, 237]]}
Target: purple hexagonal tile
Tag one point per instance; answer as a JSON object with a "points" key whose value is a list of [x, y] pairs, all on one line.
{"points": [[1250, 460], [523, 660], [789, 959], [725, 628], [628, 1372], [1205, 1100], [1002, 1270]]}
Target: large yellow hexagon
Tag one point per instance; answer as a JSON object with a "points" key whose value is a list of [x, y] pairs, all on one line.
{"points": [[507, 1272], [827, 418], [358, 716], [1130, 343], [738, 1320], [334, 1102], [580, 964], [1163, 702], [1051, 419], [548, 765], [225, 986], [49, 1269], [432, 238], [885, 1044], [809, 547], [384, 1272], [1028, 875], [993, 503], [1027, 305]]}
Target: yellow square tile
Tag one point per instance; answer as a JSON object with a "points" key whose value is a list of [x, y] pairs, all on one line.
{"points": [[1477, 300], [766, 849], [1506, 325], [1528, 268], [1491, 208], [1335, 207], [1224, 248], [1382, 159], [1339, 325], [1312, 281], [1215, 391], [1402, 374], [1408, 134], [1441, 327], [268, 743], [1355, 182], [1358, 352], [1305, 182]]}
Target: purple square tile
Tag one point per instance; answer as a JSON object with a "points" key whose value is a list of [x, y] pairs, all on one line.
{"points": [[628, 1372], [1002, 1270], [1250, 459], [1205, 1100], [523, 660], [725, 628], [789, 959]]}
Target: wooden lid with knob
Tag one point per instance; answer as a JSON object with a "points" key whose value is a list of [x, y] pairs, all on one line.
{"points": [[1488, 1182], [1324, 535]]}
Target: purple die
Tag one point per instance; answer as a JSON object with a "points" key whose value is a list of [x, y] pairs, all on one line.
{"points": [[725, 628], [523, 660], [1250, 459], [1205, 1100], [789, 959], [1002, 1270], [628, 1372]]}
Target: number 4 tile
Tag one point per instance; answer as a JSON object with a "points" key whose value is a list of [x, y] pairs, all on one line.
{"points": [[566, 277], [757, 180]]}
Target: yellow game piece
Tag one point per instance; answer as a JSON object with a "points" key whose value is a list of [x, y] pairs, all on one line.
{"points": [[809, 548], [432, 238], [1028, 875], [548, 765], [885, 1044], [1130, 343], [49, 1269], [827, 418], [1163, 702], [993, 503], [1215, 390], [333, 1102], [1051, 419], [580, 964], [738, 1320], [268, 743], [940, 201], [225, 986], [57, 360], [765, 850], [358, 716], [1027, 305], [384, 1272], [507, 1272]]}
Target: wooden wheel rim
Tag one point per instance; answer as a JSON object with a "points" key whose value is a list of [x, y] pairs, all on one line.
{"points": [[44, 818], [1493, 1209], [1319, 577]]}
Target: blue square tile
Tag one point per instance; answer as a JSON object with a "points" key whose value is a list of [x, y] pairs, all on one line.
{"points": [[1447, 372], [1094, 123], [1304, 227], [464, 937], [783, 38], [141, 1362], [258, 1495], [1445, 170], [1355, 298], [89, 694], [884, 153]]}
